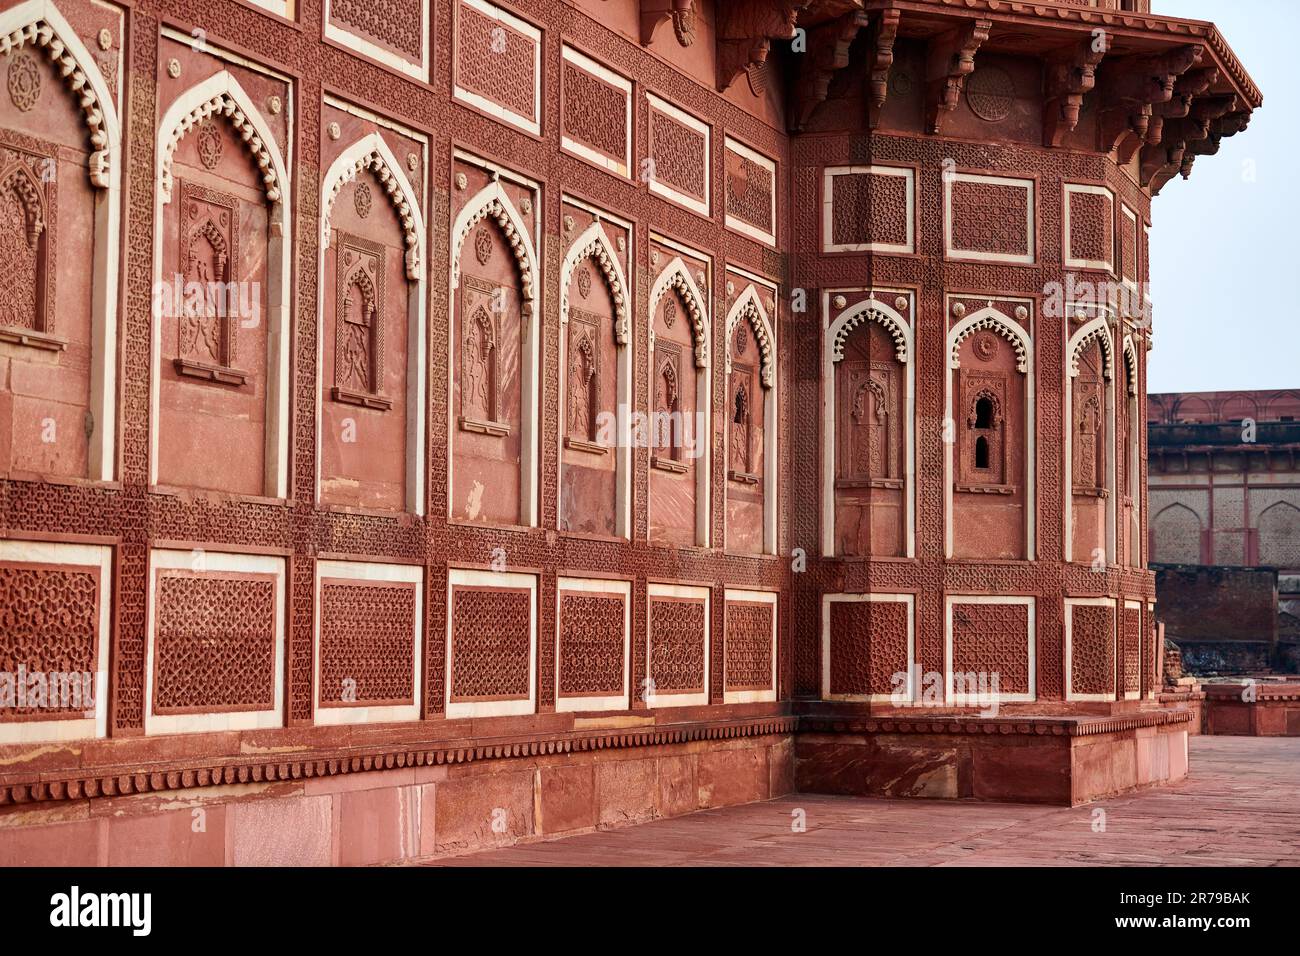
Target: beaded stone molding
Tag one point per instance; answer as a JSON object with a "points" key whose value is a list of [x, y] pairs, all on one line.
{"points": [[1096, 329], [594, 244], [375, 162], [42, 34], [183, 775], [220, 105], [676, 277], [874, 311], [994, 321], [752, 312], [504, 216]]}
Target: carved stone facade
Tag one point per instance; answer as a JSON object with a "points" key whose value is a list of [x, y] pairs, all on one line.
{"points": [[545, 359]]}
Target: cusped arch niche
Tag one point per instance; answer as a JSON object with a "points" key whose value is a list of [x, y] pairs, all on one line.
{"points": [[493, 204], [373, 154], [40, 26], [745, 401], [221, 97], [838, 332], [593, 246], [676, 278], [986, 446], [1090, 482]]}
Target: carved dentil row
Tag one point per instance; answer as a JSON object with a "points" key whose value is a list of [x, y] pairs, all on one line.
{"points": [[890, 324], [375, 162], [41, 34], [995, 323], [682, 285], [749, 313], [514, 236], [596, 250], [1100, 333]]}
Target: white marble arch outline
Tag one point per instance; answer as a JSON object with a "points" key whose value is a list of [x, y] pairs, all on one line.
{"points": [[478, 208], [997, 321], [1133, 454], [589, 245], [1100, 329], [673, 273], [832, 353], [101, 450], [749, 307], [278, 276], [341, 171]]}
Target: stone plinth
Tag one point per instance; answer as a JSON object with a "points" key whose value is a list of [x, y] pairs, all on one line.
{"points": [[1261, 710]]}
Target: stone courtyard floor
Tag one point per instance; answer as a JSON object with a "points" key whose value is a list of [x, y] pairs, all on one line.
{"points": [[1240, 806]]}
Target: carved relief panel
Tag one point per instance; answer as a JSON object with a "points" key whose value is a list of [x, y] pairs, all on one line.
{"points": [[209, 264], [27, 235], [1088, 428], [869, 453], [360, 313]]}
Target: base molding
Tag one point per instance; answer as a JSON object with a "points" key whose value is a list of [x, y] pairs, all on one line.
{"points": [[1064, 761], [1255, 709]]}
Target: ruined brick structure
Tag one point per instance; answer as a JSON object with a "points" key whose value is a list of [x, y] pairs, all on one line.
{"points": [[624, 407]]}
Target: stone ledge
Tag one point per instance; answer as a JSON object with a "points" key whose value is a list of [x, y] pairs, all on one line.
{"points": [[1024, 726], [182, 775]]}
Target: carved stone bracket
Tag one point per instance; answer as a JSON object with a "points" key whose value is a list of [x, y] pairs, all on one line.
{"points": [[745, 31], [1130, 88], [1069, 76], [883, 32], [951, 59], [680, 12], [827, 53]]}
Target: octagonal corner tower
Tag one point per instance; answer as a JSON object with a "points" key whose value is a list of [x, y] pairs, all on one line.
{"points": [[971, 199]]}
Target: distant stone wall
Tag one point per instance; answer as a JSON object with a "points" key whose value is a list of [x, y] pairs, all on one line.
{"points": [[1224, 620]]}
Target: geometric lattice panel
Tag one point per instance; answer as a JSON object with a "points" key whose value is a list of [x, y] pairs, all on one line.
{"points": [[678, 648], [1090, 649], [749, 649], [367, 650], [491, 644], [592, 644], [991, 649], [867, 646]]}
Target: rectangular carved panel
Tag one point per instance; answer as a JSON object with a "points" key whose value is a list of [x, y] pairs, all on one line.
{"points": [[214, 642], [595, 115], [49, 637], [1131, 676], [491, 643], [991, 218], [497, 57], [677, 657], [591, 645], [1090, 237], [359, 321], [990, 639], [868, 208], [748, 647], [28, 210], [209, 261], [868, 646], [393, 24], [751, 192], [679, 151], [367, 644], [1092, 649]]}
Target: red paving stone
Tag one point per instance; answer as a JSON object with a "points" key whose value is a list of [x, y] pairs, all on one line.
{"points": [[1240, 806]]}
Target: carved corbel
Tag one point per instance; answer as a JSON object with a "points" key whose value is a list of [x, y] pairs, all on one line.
{"points": [[1131, 89], [883, 33], [680, 12], [951, 59], [1189, 86], [745, 31], [1163, 160], [827, 54], [1070, 75]]}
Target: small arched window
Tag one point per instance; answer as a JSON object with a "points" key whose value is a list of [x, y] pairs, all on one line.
{"points": [[981, 452], [984, 415]]}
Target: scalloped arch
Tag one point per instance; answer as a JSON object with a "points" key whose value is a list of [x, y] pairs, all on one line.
{"points": [[875, 311], [996, 321], [676, 276], [40, 24], [492, 201], [373, 153], [1131, 364], [593, 243], [1099, 330], [749, 307]]}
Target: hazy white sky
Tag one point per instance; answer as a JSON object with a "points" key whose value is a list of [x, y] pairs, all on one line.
{"points": [[1224, 250]]}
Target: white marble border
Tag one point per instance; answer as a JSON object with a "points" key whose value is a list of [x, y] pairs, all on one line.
{"points": [[619, 167], [1030, 188], [1070, 605], [740, 226], [99, 560], [366, 572], [203, 561], [686, 119], [907, 599], [493, 708], [829, 175], [1031, 631], [689, 592], [1071, 261], [531, 124], [401, 64], [749, 696], [607, 588]]}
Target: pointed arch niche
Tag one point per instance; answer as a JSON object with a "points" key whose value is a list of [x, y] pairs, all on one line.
{"points": [[1090, 470], [868, 446], [370, 351], [680, 402], [60, 198], [1130, 457], [595, 454], [494, 350], [220, 366], [989, 461], [750, 433]]}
